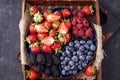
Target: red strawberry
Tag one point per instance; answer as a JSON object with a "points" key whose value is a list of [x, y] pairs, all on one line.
{"points": [[81, 32], [87, 10], [33, 75], [53, 17], [31, 38], [49, 40], [40, 28], [67, 38], [55, 25], [59, 14], [80, 15], [63, 29], [66, 13], [33, 10], [85, 23], [35, 48], [45, 14], [47, 49], [91, 70], [79, 26], [41, 36], [52, 33], [47, 25], [32, 29], [56, 46], [38, 17], [68, 24]]}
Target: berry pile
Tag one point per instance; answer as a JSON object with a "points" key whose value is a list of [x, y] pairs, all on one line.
{"points": [[81, 26], [76, 56], [46, 63]]}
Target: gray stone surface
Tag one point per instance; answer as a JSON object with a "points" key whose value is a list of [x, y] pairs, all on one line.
{"points": [[10, 14]]}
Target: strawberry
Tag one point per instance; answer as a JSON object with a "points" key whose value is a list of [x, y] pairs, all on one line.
{"points": [[63, 29], [33, 10], [61, 38], [87, 10], [38, 17], [31, 38], [47, 25], [90, 71], [67, 37], [40, 28], [46, 13], [52, 33], [35, 48], [66, 13], [41, 36], [33, 75], [32, 29], [57, 46], [47, 49], [59, 14], [55, 25], [53, 17], [68, 24], [48, 41]]}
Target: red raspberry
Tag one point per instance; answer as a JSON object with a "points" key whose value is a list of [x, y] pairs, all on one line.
{"points": [[79, 26], [81, 32], [74, 13], [84, 37], [85, 28], [74, 21], [75, 32], [76, 36], [74, 27], [89, 33], [92, 36], [85, 23], [79, 20], [80, 14]]}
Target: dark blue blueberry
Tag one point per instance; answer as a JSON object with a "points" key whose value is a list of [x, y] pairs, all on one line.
{"points": [[74, 53], [87, 46], [63, 72], [77, 46], [90, 53], [63, 62], [67, 47], [81, 48], [82, 57], [75, 72], [82, 42], [75, 58], [86, 61], [71, 63], [85, 51], [67, 59], [76, 41], [74, 68], [70, 72], [72, 49], [92, 47], [67, 68], [61, 58], [68, 52], [88, 57], [84, 65], [71, 44], [89, 42], [80, 62], [79, 52], [79, 67]]}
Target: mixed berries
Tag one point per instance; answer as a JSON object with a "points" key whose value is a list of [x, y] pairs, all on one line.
{"points": [[65, 31]]}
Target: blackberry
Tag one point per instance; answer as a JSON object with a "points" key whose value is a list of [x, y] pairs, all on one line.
{"points": [[48, 71], [55, 71], [40, 59], [32, 60], [55, 59], [48, 60], [40, 68]]}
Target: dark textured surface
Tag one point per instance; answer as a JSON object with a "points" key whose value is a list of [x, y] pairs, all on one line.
{"points": [[10, 13]]}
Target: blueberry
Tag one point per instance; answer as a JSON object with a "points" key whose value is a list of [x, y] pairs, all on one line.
{"points": [[86, 61], [88, 57], [82, 57], [71, 49], [85, 51], [67, 47], [75, 72], [67, 68], [79, 67], [73, 68], [80, 62], [71, 63], [81, 48], [63, 62], [76, 41], [77, 46], [84, 65], [63, 72], [90, 53], [70, 72], [71, 44], [76, 64], [87, 46], [68, 52], [67, 59], [74, 53], [92, 47], [82, 42], [61, 58], [89, 42], [79, 52], [75, 58]]}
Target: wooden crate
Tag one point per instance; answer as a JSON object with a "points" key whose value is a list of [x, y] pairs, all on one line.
{"points": [[76, 4]]}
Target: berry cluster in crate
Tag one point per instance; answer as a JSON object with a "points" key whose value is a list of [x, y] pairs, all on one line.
{"points": [[61, 42]]}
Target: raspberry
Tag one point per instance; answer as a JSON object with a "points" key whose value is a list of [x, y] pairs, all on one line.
{"points": [[85, 28], [80, 14], [75, 32], [92, 36], [74, 27], [89, 33], [79, 20], [76, 36], [81, 32], [79, 26], [85, 23], [74, 22], [74, 13], [84, 37]]}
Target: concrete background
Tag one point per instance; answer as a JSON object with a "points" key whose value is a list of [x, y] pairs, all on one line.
{"points": [[10, 14]]}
